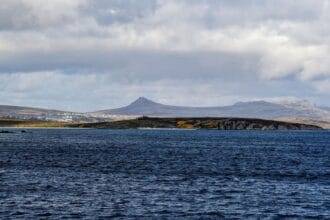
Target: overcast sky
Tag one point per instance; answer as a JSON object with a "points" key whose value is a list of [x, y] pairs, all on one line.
{"points": [[94, 54]]}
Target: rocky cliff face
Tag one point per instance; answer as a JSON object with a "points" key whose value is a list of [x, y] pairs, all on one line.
{"points": [[243, 124]]}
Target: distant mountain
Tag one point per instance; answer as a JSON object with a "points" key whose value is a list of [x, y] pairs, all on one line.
{"points": [[256, 109], [308, 108], [14, 111]]}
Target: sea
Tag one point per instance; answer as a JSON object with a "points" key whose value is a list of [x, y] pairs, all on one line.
{"points": [[164, 174]]}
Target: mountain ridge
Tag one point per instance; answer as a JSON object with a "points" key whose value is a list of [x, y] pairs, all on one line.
{"points": [[143, 106]]}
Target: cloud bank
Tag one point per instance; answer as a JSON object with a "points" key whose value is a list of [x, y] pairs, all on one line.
{"points": [[90, 54]]}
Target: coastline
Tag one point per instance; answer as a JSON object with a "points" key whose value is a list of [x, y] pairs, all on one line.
{"points": [[148, 123]]}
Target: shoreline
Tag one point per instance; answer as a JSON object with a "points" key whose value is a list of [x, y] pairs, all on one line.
{"points": [[19, 129]]}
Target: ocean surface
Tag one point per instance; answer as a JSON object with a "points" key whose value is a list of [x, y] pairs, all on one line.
{"points": [[168, 174]]}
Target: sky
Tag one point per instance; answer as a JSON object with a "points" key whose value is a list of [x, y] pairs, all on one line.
{"points": [[84, 55]]}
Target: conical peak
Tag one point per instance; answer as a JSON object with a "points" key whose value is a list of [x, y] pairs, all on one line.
{"points": [[142, 101]]}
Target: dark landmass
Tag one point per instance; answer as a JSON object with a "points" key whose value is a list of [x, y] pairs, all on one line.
{"points": [[200, 123]]}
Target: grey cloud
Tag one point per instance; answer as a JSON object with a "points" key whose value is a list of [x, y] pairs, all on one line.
{"points": [[26, 15], [234, 49], [13, 16], [142, 65], [107, 12], [87, 92]]}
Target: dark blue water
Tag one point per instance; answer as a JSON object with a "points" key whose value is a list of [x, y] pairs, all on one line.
{"points": [[170, 174]]}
